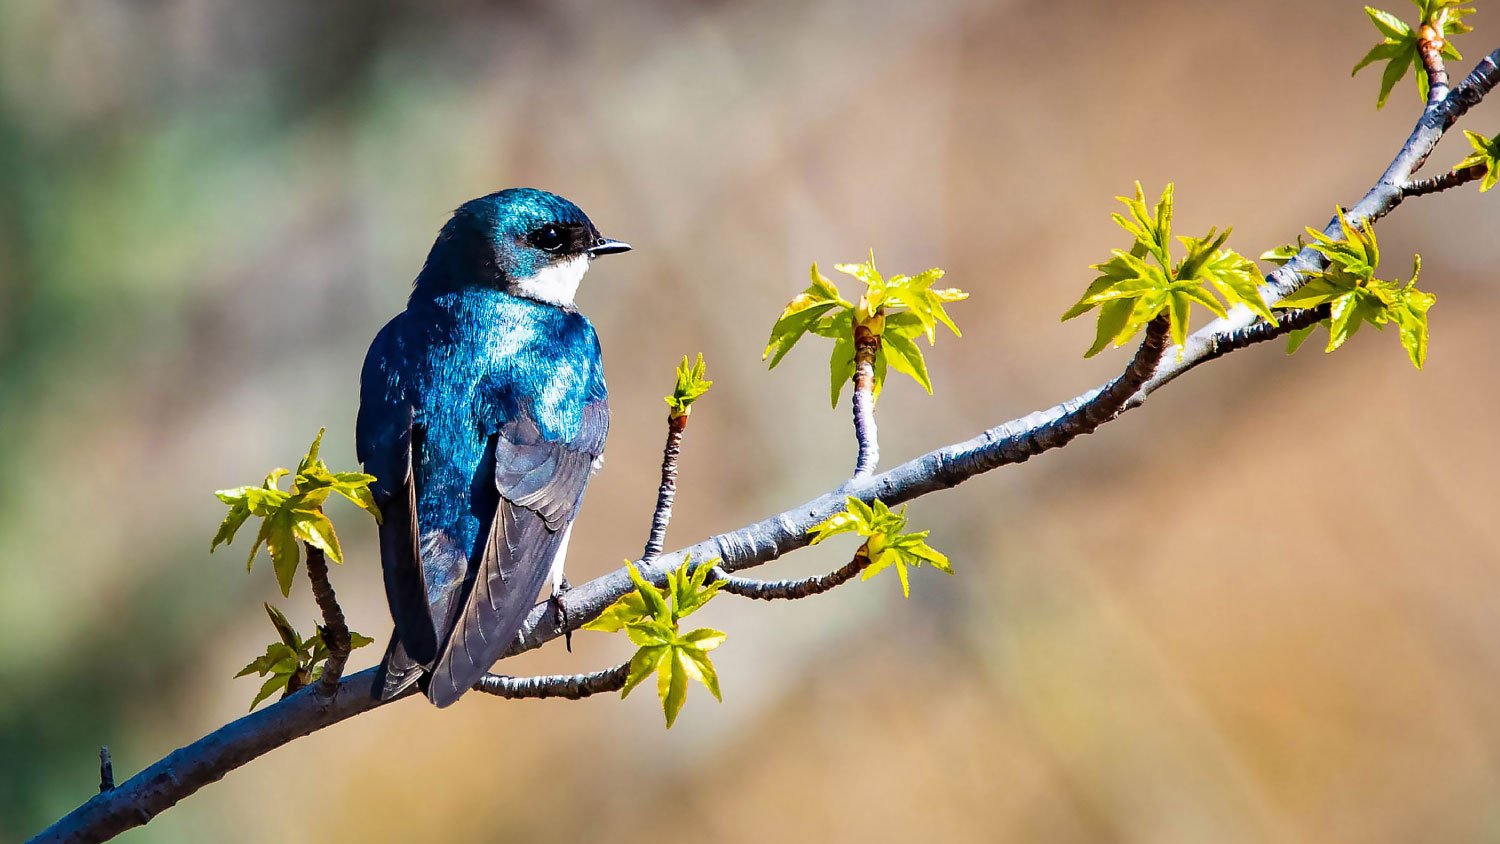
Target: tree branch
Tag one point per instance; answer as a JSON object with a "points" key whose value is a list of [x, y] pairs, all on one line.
{"points": [[866, 346], [570, 686], [335, 629], [184, 771], [667, 493], [1430, 48], [791, 590]]}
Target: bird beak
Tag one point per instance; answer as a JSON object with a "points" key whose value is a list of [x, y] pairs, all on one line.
{"points": [[605, 246]]}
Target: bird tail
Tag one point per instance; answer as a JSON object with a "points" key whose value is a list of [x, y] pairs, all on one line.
{"points": [[398, 671]]}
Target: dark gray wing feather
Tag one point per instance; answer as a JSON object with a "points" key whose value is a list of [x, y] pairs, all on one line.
{"points": [[541, 485]]}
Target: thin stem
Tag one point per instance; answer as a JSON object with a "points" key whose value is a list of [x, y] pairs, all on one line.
{"points": [[1446, 181], [866, 345], [667, 493], [335, 629], [570, 686], [791, 590], [1430, 48]]}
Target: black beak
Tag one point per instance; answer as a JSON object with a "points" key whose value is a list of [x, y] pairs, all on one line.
{"points": [[605, 246]]}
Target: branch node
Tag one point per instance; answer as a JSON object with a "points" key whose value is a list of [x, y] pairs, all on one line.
{"points": [[106, 770]]}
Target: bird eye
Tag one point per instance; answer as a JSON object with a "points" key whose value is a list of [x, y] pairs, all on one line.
{"points": [[549, 238]]}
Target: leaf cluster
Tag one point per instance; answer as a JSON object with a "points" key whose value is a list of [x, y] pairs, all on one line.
{"points": [[652, 619], [292, 662], [886, 543], [295, 514], [1402, 45], [895, 310], [691, 384], [1356, 297], [1487, 155], [1139, 284]]}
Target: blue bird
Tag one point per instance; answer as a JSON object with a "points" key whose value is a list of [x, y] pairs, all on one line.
{"points": [[482, 414]]}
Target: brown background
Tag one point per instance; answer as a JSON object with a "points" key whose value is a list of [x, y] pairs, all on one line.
{"points": [[1262, 608]]}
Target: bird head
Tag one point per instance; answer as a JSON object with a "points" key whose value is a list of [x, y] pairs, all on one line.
{"points": [[528, 242]]}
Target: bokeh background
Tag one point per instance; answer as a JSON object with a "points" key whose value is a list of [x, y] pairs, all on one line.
{"points": [[1265, 607]]}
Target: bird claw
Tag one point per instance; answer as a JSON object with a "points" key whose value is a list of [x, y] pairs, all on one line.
{"points": [[562, 588]]}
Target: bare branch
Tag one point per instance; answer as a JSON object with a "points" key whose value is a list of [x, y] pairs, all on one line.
{"points": [[866, 346], [1430, 48], [335, 629], [667, 493], [791, 590], [570, 686], [1445, 181]]}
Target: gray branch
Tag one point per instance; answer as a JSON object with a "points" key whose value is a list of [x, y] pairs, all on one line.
{"points": [[184, 771], [866, 435], [792, 590], [570, 686]]}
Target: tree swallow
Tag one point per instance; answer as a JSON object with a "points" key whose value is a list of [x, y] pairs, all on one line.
{"points": [[483, 413]]}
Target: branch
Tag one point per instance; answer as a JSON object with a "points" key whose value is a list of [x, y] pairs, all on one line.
{"points": [[676, 425], [570, 686], [791, 590], [335, 629], [1430, 48], [106, 770], [866, 346], [184, 771], [1446, 181]]}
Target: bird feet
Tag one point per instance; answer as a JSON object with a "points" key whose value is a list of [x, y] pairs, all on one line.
{"points": [[558, 591]]}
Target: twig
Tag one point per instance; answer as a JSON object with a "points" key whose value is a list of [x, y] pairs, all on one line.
{"points": [[335, 629], [667, 493], [866, 346], [1440, 183], [570, 686], [184, 771], [791, 590], [1430, 48], [106, 770]]}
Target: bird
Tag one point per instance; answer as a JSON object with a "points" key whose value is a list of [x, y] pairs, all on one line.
{"points": [[483, 413]]}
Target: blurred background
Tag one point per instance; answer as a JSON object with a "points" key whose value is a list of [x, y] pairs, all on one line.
{"points": [[1265, 607]]}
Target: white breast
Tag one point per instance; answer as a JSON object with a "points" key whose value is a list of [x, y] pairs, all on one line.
{"points": [[556, 284]]}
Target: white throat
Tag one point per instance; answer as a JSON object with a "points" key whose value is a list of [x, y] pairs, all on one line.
{"points": [[555, 284]]}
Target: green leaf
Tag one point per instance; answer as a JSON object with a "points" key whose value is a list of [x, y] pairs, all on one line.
{"points": [[671, 685], [630, 608], [1487, 155], [281, 542], [701, 668], [238, 513], [641, 665], [905, 357], [651, 597], [1282, 255], [1299, 336], [284, 628], [841, 366], [691, 384], [314, 528], [1389, 25], [276, 683]]}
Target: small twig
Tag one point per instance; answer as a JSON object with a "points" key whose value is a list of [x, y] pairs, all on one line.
{"points": [[676, 425], [335, 629], [791, 590], [1430, 48], [570, 686], [1446, 181], [866, 345], [106, 770]]}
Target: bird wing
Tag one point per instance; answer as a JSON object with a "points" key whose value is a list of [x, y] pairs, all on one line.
{"points": [[383, 444], [541, 483]]}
